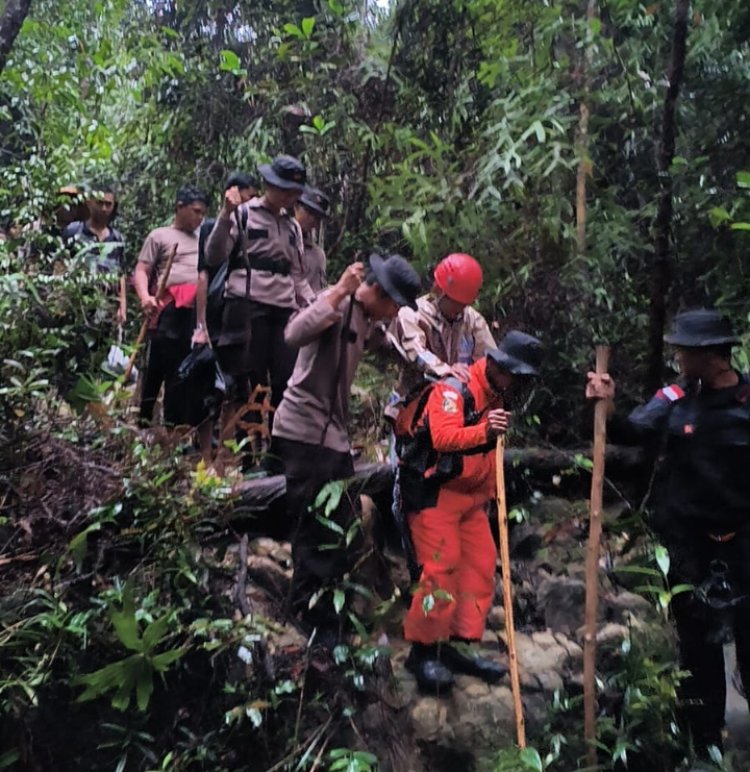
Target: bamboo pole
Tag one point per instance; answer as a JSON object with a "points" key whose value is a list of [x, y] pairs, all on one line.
{"points": [[160, 289], [510, 630], [592, 565]]}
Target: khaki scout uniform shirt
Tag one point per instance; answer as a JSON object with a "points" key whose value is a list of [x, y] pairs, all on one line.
{"points": [[158, 246], [432, 344], [314, 266], [273, 240], [328, 357]]}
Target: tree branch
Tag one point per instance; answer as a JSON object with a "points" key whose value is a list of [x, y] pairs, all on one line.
{"points": [[10, 25]]}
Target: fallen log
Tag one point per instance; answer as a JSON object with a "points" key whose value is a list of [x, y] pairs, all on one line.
{"points": [[539, 467]]}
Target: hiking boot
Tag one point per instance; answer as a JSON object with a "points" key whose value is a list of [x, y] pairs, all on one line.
{"points": [[465, 660], [431, 674]]}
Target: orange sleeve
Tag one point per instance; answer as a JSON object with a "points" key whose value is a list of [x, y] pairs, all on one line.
{"points": [[445, 410]]}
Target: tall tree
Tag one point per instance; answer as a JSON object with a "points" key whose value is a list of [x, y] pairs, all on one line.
{"points": [[660, 277], [10, 24]]}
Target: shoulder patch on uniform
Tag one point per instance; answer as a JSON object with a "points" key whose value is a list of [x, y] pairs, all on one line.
{"points": [[450, 401], [670, 393]]}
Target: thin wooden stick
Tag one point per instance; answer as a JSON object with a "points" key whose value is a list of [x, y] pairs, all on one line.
{"points": [[510, 630], [160, 289], [592, 565]]}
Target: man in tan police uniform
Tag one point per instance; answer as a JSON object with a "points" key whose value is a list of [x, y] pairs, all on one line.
{"points": [[312, 207], [311, 430], [173, 319], [265, 282]]}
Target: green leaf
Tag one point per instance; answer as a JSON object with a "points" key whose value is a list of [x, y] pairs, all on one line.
{"points": [[718, 215], [144, 686], [162, 661], [153, 634], [308, 24], [740, 226], [339, 598], [662, 558], [531, 759], [636, 570], [229, 61], [743, 179], [255, 716], [125, 622], [9, 758], [293, 30]]}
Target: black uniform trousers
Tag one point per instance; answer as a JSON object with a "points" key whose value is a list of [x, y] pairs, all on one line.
{"points": [[701, 629], [252, 349], [320, 556], [168, 346]]}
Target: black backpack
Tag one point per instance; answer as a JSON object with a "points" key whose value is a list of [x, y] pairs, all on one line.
{"points": [[217, 276], [421, 468]]}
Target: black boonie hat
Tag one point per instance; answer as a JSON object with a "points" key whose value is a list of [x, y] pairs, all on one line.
{"points": [[316, 201], [518, 353], [397, 278], [700, 328], [285, 172]]}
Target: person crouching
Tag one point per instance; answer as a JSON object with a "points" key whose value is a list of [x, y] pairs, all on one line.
{"points": [[447, 481]]}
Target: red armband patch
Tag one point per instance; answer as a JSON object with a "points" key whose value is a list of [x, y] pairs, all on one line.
{"points": [[670, 393]]}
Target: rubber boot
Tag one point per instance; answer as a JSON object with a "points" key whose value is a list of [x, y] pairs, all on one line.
{"points": [[431, 674], [462, 659]]}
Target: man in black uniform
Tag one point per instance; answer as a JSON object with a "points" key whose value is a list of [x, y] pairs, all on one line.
{"points": [[700, 428]]}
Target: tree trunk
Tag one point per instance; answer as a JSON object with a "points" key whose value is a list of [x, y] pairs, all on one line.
{"points": [[10, 24], [662, 273]]}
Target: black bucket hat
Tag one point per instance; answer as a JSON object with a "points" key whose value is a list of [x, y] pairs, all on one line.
{"points": [[316, 201], [285, 172], [399, 280], [518, 353], [700, 328]]}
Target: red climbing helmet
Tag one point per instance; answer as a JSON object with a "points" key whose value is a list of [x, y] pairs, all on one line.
{"points": [[460, 277]]}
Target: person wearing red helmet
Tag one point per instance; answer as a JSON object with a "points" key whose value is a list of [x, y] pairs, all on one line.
{"points": [[445, 334]]}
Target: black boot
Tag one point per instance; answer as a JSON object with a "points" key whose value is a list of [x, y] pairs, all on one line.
{"points": [[461, 659], [431, 674]]}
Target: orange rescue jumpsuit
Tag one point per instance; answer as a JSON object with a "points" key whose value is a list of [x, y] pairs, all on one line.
{"points": [[453, 540]]}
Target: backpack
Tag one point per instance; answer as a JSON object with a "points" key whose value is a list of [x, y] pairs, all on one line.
{"points": [[217, 276], [422, 469]]}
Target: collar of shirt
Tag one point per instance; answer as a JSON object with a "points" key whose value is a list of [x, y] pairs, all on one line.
{"points": [[434, 315], [86, 231]]}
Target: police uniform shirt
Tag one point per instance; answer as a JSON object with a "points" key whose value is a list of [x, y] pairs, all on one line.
{"points": [[158, 246], [274, 251], [706, 448], [433, 344], [314, 266], [328, 358]]}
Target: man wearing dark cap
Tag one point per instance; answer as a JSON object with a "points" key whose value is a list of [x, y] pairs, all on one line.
{"points": [[448, 478], [311, 428], [207, 326], [310, 209], [265, 281], [700, 429], [172, 318]]}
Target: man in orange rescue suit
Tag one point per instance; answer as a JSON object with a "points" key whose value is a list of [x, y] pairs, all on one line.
{"points": [[448, 479]]}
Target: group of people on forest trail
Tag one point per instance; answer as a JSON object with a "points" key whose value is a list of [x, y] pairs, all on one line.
{"points": [[279, 324]]}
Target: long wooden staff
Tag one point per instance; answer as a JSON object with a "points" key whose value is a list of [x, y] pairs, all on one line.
{"points": [[592, 565], [510, 630], [160, 289]]}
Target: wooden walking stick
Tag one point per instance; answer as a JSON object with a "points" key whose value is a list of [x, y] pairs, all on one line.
{"points": [[510, 630], [592, 565], [160, 289]]}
